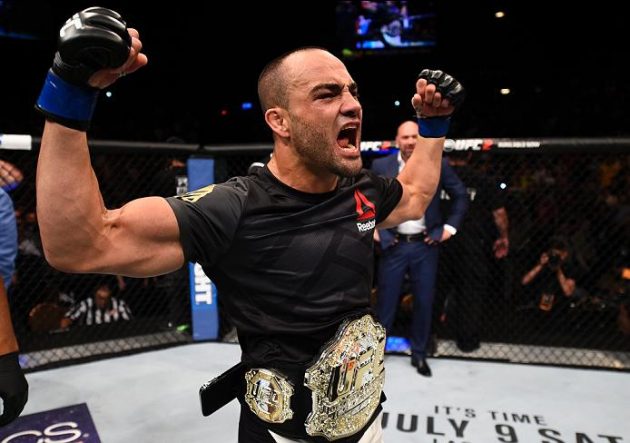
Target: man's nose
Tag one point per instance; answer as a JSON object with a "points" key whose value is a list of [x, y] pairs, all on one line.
{"points": [[351, 105]]}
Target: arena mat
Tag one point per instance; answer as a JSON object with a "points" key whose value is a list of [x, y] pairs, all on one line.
{"points": [[153, 397]]}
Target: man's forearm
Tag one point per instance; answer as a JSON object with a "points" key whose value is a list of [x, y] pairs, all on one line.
{"points": [[8, 342], [527, 279], [70, 208], [567, 284], [421, 174]]}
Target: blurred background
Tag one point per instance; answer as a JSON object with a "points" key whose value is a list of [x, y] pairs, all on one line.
{"points": [[563, 67]]}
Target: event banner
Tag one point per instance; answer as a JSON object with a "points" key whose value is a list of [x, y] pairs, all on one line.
{"points": [[470, 424], [70, 424]]}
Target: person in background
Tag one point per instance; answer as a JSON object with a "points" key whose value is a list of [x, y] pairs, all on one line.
{"points": [[411, 248], [553, 279], [8, 239], [13, 384], [102, 307], [482, 239]]}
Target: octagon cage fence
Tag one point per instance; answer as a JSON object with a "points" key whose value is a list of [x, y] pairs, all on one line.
{"points": [[573, 189]]}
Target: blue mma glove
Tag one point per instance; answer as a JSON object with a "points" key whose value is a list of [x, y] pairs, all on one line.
{"points": [[91, 40], [448, 87]]}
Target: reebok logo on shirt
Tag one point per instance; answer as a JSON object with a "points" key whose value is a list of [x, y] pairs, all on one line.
{"points": [[366, 212]]}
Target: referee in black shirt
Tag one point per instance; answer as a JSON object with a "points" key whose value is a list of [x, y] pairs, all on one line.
{"points": [[100, 308]]}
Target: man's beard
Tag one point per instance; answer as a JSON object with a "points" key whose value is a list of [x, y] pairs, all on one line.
{"points": [[313, 146]]}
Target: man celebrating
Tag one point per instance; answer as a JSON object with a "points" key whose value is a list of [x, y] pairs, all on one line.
{"points": [[288, 247]]}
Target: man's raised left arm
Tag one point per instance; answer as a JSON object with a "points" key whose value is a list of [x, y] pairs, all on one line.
{"points": [[437, 95]]}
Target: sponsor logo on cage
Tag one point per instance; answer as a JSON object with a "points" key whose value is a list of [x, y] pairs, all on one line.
{"points": [[378, 146], [203, 287], [71, 424], [466, 144], [366, 212], [487, 144], [518, 144]]}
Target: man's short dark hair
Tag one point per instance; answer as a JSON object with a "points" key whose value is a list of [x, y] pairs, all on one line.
{"points": [[272, 81]]}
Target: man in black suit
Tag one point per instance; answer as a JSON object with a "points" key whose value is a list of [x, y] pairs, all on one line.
{"points": [[482, 242]]}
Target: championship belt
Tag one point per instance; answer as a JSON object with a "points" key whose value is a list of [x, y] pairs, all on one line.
{"points": [[347, 380], [268, 395], [342, 389]]}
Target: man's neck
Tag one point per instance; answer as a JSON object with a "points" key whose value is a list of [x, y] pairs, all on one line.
{"points": [[293, 173]]}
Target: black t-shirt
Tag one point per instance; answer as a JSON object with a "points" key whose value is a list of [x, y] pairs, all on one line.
{"points": [[290, 265]]}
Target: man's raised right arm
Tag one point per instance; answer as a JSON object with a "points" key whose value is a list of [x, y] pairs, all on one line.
{"points": [[78, 233]]}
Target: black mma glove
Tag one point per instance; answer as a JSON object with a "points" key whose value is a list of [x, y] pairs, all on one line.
{"points": [[448, 87], [13, 388], [91, 40]]}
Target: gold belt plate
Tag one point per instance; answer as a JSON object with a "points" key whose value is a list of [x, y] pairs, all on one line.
{"points": [[347, 380], [269, 395]]}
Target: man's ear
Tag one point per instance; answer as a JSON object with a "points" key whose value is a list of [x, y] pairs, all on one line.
{"points": [[277, 121]]}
